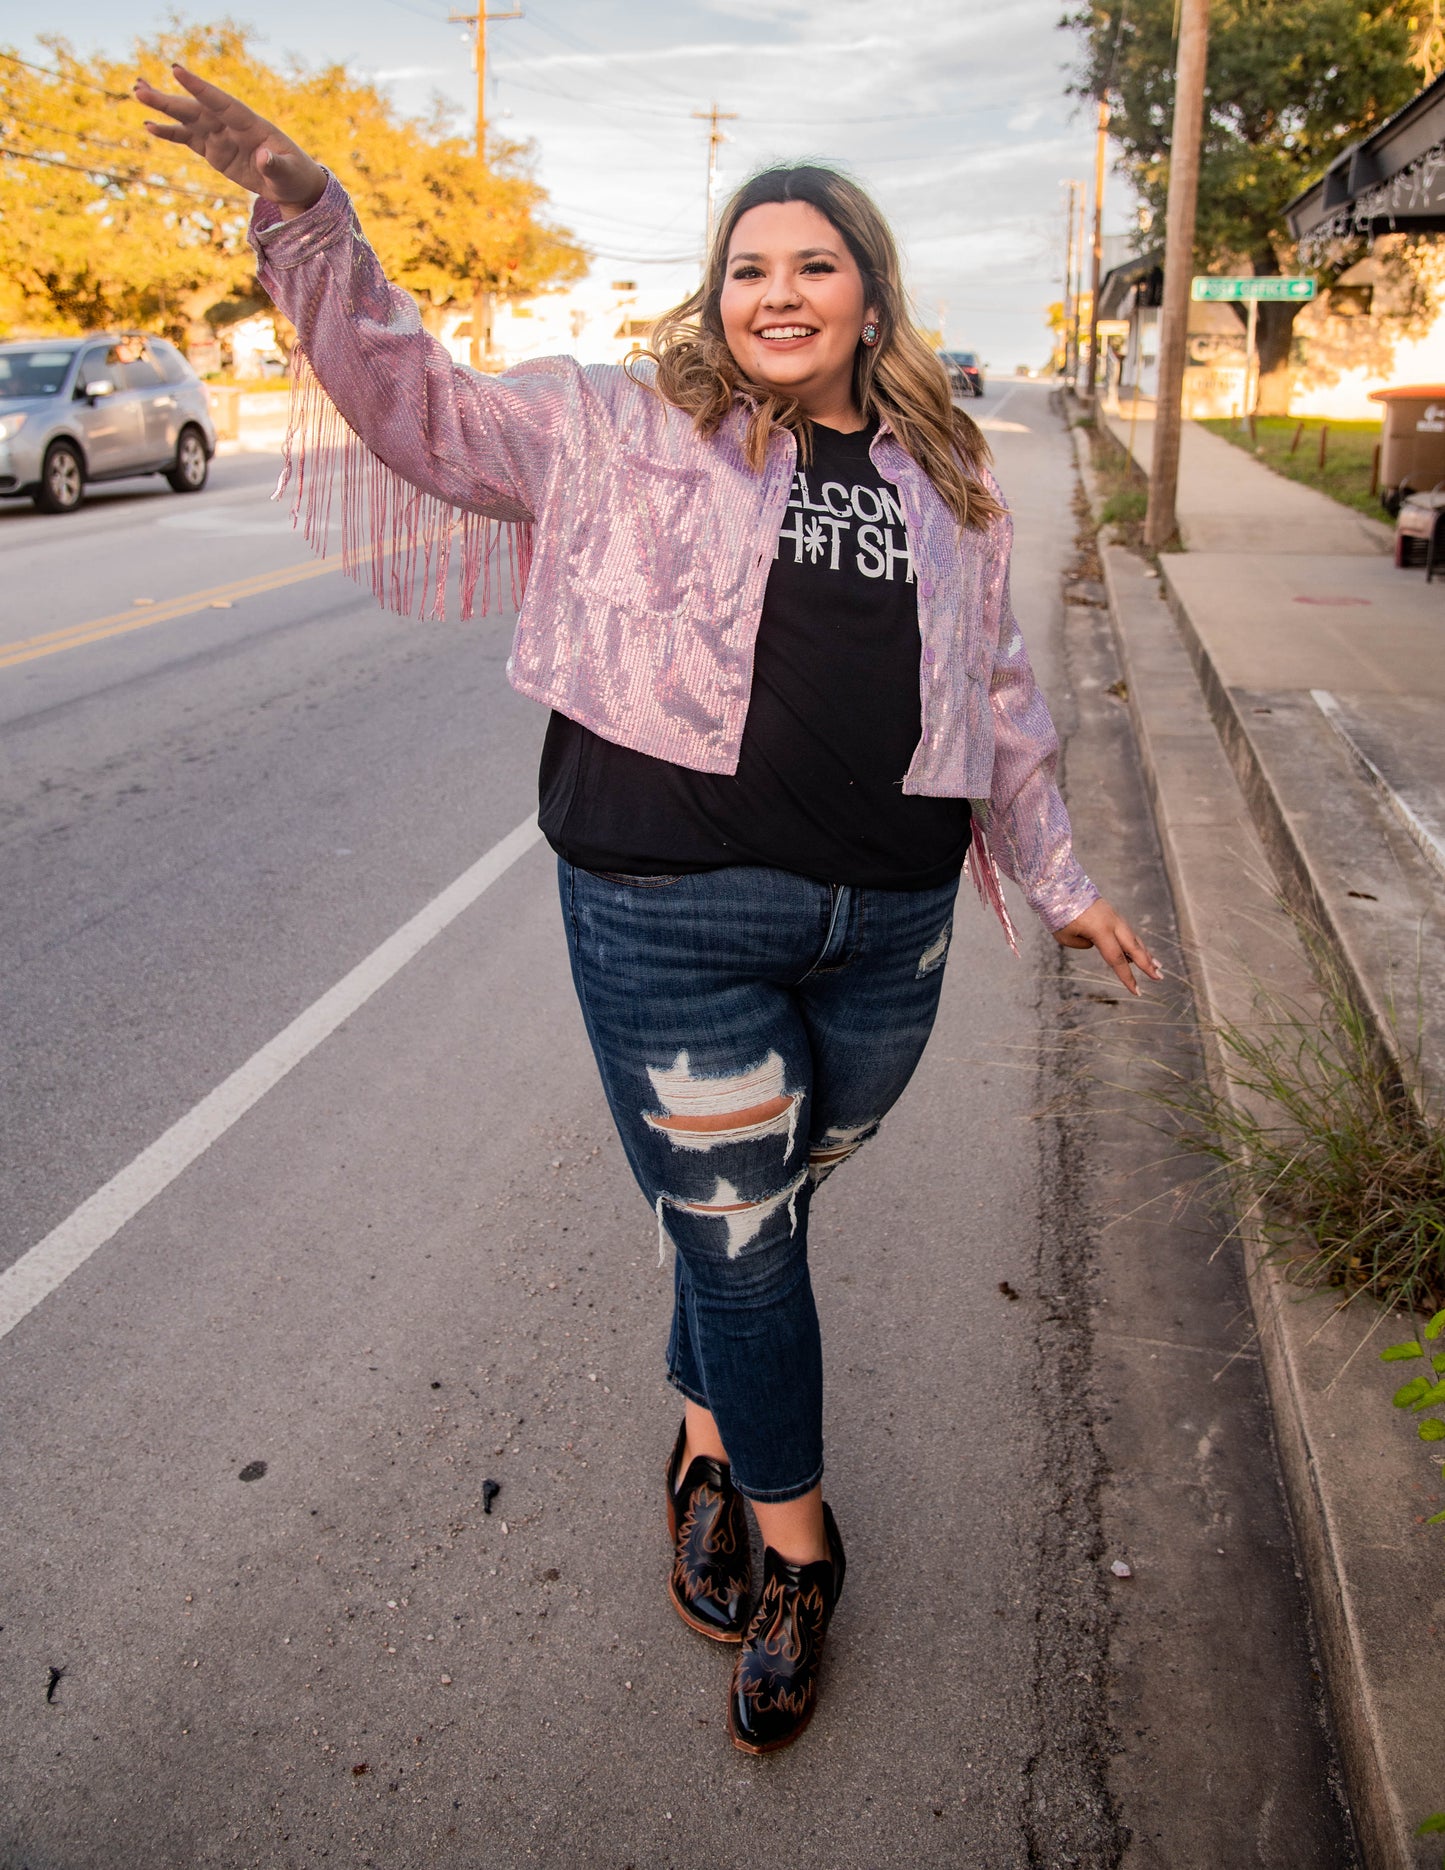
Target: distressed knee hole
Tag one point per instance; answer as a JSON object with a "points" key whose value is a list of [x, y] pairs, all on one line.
{"points": [[936, 953], [835, 1146], [742, 1220], [756, 1117], [705, 1113]]}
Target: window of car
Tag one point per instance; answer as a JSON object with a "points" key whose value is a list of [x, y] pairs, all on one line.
{"points": [[99, 361], [130, 365], [142, 372], [173, 367], [967, 360], [33, 373]]}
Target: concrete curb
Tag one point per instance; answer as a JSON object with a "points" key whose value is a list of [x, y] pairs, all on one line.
{"points": [[1305, 880], [1351, 1468]]}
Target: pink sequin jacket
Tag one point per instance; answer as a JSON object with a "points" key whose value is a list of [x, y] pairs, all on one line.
{"points": [[642, 549]]}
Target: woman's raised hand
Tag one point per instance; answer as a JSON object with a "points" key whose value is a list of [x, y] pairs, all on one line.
{"points": [[243, 147]]}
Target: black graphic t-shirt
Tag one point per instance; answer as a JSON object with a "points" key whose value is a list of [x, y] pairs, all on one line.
{"points": [[833, 720]]}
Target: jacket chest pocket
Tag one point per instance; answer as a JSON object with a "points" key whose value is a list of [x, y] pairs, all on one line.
{"points": [[651, 556]]}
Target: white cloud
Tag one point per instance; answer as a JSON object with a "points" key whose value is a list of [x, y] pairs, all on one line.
{"points": [[404, 74], [678, 54], [954, 114]]}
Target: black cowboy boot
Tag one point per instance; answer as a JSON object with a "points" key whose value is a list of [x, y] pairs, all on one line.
{"points": [[712, 1566], [775, 1679]]}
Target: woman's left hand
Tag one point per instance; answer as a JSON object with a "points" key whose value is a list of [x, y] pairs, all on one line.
{"points": [[1102, 927]]}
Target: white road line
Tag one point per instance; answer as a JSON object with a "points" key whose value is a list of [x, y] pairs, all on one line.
{"points": [[993, 421], [38, 1272], [1008, 397]]}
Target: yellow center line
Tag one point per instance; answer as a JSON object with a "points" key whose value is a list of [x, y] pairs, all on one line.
{"points": [[121, 622], [240, 587]]}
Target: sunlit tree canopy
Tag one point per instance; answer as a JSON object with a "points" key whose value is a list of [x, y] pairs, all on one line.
{"points": [[1290, 85], [100, 225]]}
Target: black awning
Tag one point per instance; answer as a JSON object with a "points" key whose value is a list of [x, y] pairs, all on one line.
{"points": [[1119, 280], [1391, 182]]}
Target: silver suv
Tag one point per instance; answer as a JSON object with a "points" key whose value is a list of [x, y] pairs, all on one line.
{"points": [[74, 410]]}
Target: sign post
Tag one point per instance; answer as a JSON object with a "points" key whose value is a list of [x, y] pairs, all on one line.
{"points": [[1291, 288], [1253, 286]]}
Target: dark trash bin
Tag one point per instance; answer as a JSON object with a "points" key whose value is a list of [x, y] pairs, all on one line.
{"points": [[1412, 447]]}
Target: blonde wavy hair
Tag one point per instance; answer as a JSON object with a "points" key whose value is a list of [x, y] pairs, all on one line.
{"points": [[899, 378]]}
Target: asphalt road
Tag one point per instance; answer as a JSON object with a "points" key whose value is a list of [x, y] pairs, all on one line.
{"points": [[417, 1262]]}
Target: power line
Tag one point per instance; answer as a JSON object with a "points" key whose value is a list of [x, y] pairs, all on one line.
{"points": [[120, 97], [83, 136], [841, 120], [621, 72], [134, 179], [627, 105], [565, 36], [646, 259], [620, 222], [437, 19], [584, 103]]}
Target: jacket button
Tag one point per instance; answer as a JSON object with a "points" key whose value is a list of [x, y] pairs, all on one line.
{"points": [[928, 654], [927, 587]]}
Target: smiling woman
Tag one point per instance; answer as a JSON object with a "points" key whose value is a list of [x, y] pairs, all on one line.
{"points": [[816, 249], [767, 601]]}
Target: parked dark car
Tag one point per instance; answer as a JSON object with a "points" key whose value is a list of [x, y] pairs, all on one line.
{"points": [[76, 410], [968, 366]]}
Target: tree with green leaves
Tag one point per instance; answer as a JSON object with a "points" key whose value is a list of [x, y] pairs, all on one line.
{"points": [[100, 225], [1290, 85]]}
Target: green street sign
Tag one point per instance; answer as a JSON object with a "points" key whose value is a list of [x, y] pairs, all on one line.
{"points": [[1210, 286]]}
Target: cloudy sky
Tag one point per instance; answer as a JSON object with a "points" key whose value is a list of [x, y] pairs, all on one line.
{"points": [[952, 111]]}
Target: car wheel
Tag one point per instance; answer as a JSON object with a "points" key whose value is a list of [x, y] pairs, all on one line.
{"points": [[62, 480], [192, 467]]}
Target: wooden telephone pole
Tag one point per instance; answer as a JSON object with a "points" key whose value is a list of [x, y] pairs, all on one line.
{"points": [[1101, 143], [713, 117], [1079, 282], [1159, 521], [1071, 307], [481, 355]]}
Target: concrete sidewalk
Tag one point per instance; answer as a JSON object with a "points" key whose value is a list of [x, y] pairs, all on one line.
{"points": [[1230, 503], [1323, 666], [1288, 696]]}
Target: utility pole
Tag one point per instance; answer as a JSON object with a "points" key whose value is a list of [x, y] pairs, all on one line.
{"points": [[1083, 208], [481, 298], [1160, 521], [1068, 278], [715, 140], [1101, 142]]}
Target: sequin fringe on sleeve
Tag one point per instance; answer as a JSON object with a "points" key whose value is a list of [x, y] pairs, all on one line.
{"points": [[395, 540], [981, 867]]}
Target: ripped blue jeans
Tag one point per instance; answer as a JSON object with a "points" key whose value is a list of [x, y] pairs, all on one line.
{"points": [[752, 1028]]}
